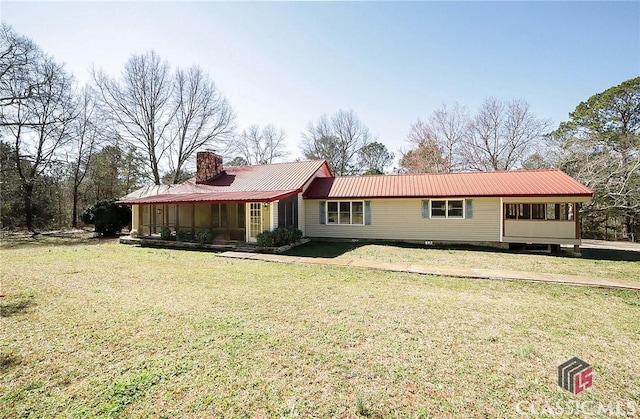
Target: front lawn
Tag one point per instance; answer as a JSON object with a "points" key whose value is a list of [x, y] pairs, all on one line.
{"points": [[109, 330], [594, 262]]}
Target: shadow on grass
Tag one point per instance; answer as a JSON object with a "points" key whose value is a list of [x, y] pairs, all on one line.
{"points": [[610, 254], [10, 306], [328, 249], [8, 360], [322, 249], [62, 239]]}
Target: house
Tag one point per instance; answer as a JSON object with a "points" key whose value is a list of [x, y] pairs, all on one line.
{"points": [[491, 208]]}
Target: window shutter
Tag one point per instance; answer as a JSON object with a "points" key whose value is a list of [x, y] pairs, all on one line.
{"points": [[323, 212], [367, 212], [468, 211], [425, 209]]}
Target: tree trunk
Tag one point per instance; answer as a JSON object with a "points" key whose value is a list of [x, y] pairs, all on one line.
{"points": [[627, 227], [28, 205], [74, 210]]}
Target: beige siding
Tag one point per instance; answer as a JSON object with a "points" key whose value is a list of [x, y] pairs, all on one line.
{"points": [[135, 219], [322, 172], [301, 215], [540, 229], [273, 207], [266, 217], [541, 200], [401, 219]]}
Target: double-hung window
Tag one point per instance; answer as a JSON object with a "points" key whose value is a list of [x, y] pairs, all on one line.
{"points": [[345, 212], [447, 208]]}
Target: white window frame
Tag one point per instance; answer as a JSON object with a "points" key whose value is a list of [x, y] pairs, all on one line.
{"points": [[350, 213], [446, 212]]}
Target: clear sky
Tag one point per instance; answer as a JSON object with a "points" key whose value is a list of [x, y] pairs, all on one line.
{"points": [[288, 63]]}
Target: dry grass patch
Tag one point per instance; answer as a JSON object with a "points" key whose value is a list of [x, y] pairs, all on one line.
{"points": [[115, 331]]}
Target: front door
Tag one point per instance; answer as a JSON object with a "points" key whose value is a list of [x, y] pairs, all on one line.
{"points": [[255, 221]]}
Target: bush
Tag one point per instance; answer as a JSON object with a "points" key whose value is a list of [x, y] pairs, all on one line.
{"points": [[279, 237], [183, 235], [107, 217], [165, 233], [204, 236]]}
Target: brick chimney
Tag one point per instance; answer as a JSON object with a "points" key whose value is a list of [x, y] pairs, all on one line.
{"points": [[209, 166]]}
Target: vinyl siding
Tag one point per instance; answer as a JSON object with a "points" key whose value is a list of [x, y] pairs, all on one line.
{"points": [[273, 223], [301, 214], [401, 219], [322, 172], [540, 229], [547, 199]]}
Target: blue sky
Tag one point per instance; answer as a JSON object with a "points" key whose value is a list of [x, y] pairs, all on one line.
{"points": [[288, 63]]}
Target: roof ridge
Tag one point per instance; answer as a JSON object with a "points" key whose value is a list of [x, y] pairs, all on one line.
{"points": [[278, 163], [469, 172]]}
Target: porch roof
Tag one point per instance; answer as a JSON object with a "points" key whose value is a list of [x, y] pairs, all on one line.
{"points": [[204, 197], [262, 183]]}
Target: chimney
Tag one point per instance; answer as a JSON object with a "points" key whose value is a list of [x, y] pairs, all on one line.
{"points": [[209, 166]]}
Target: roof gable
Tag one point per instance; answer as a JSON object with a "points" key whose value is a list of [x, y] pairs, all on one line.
{"points": [[548, 182]]}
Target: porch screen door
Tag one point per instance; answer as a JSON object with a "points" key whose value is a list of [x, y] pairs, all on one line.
{"points": [[255, 220]]}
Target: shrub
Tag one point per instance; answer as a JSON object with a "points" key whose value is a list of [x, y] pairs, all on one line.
{"points": [[279, 237], [204, 236], [165, 233], [107, 217], [183, 235]]}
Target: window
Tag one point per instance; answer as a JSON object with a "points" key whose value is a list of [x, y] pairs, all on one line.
{"points": [[512, 211], [345, 212], [438, 209], [538, 211], [455, 209], [357, 213], [524, 211], [332, 212], [551, 211], [448, 208]]}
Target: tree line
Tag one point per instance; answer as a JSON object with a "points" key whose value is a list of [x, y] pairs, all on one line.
{"points": [[65, 146]]}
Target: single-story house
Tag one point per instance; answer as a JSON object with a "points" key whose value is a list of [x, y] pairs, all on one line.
{"points": [[490, 208]]}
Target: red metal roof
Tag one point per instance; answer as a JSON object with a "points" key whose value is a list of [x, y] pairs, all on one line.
{"points": [[526, 183], [263, 183], [255, 196]]}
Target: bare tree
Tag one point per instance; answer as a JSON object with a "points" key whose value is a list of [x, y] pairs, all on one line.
{"points": [[449, 128], [338, 140], [257, 146], [18, 56], [140, 105], [202, 115], [86, 132], [501, 135], [37, 124]]}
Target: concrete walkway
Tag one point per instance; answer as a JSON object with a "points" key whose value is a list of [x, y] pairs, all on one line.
{"points": [[442, 270]]}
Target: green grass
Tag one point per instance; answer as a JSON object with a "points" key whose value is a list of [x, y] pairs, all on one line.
{"points": [[595, 263], [107, 330]]}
